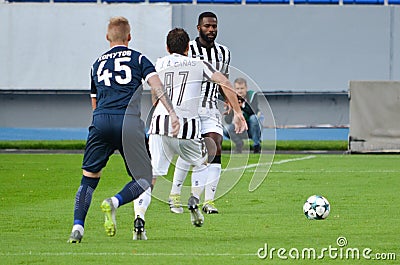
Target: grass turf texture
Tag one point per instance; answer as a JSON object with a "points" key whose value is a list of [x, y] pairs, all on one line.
{"points": [[37, 197], [226, 145]]}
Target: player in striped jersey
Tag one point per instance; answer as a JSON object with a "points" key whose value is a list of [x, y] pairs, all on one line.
{"points": [[183, 77], [205, 48]]}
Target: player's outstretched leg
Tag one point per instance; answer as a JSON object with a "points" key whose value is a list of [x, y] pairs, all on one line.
{"points": [[139, 233], [195, 215], [131, 191], [110, 223]]}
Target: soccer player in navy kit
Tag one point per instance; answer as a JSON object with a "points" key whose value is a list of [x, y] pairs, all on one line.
{"points": [[116, 82]]}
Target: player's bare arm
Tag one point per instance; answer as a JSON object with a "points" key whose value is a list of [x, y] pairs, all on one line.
{"points": [[153, 98], [94, 103], [159, 94]]}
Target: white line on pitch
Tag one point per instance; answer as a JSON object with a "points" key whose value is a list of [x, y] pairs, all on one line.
{"points": [[267, 164], [335, 171], [293, 159], [120, 254]]}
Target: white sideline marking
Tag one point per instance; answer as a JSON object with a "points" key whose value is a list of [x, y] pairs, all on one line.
{"points": [[120, 254], [335, 171], [293, 159], [267, 164]]}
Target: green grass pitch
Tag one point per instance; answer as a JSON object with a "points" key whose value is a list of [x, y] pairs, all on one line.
{"points": [[37, 198]]}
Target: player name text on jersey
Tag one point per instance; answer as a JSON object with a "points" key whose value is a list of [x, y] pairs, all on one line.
{"points": [[186, 62], [114, 55]]}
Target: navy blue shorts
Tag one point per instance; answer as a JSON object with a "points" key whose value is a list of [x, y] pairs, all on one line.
{"points": [[125, 133]]}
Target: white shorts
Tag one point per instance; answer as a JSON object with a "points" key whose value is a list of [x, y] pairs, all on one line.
{"points": [[211, 121], [163, 148]]}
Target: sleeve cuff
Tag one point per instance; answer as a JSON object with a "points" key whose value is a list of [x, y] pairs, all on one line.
{"points": [[149, 75]]}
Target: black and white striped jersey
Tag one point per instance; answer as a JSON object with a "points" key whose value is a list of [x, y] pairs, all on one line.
{"points": [[219, 56], [182, 77]]}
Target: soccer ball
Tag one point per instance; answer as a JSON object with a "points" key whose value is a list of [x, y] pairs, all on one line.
{"points": [[316, 207]]}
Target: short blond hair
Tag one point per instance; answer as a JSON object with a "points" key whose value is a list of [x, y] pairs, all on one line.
{"points": [[118, 29]]}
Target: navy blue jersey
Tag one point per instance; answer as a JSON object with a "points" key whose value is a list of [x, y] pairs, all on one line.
{"points": [[116, 76]]}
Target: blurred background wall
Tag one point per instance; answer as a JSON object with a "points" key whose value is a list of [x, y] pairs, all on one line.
{"points": [[301, 57]]}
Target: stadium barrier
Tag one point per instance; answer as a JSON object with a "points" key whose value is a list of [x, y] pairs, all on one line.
{"points": [[374, 116], [238, 2]]}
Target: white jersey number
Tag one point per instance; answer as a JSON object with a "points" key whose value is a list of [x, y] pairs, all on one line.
{"points": [[105, 75]]}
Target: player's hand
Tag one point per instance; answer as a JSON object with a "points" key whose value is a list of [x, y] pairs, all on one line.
{"points": [[175, 124], [239, 122]]}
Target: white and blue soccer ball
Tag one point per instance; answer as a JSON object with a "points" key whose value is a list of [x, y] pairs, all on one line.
{"points": [[316, 207]]}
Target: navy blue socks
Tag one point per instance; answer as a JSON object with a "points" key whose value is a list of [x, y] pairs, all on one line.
{"points": [[132, 190], [83, 199]]}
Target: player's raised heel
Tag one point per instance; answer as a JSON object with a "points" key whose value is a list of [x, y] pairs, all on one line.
{"points": [[195, 215], [75, 237], [110, 224], [139, 233], [175, 204], [209, 208]]}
